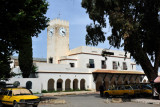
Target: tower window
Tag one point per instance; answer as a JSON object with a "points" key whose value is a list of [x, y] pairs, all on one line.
{"points": [[50, 60]]}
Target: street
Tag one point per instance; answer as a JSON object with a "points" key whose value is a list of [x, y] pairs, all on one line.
{"points": [[91, 100]]}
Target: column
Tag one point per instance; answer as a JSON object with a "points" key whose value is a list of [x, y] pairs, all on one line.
{"points": [[71, 85], [63, 86], [55, 85], [78, 84]]}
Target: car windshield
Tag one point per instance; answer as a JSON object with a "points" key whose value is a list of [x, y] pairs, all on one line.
{"points": [[21, 92]]}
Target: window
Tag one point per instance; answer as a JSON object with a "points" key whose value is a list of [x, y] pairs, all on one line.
{"points": [[71, 64], [5, 92], [132, 67], [29, 85], [128, 88], [10, 93], [91, 63], [124, 66], [103, 64], [115, 65], [50, 60]]}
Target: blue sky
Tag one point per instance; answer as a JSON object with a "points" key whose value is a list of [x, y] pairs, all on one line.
{"points": [[71, 11]]}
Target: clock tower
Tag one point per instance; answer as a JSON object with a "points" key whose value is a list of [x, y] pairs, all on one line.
{"points": [[57, 40]]}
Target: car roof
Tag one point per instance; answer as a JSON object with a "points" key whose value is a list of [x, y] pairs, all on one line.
{"points": [[9, 88]]}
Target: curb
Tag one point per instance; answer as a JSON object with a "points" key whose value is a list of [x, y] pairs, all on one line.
{"points": [[146, 101], [68, 93]]}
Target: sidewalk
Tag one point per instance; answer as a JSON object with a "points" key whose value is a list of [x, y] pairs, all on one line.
{"points": [[68, 93]]}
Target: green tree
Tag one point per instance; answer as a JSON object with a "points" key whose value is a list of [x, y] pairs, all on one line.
{"points": [[135, 26], [19, 19], [4, 60], [25, 58]]}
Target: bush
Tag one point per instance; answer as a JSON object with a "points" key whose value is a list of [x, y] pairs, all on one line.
{"points": [[44, 91]]}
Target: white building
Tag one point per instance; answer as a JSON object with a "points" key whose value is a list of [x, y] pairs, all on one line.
{"points": [[80, 68]]}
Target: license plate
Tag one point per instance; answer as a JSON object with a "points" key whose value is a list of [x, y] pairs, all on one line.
{"points": [[30, 103]]}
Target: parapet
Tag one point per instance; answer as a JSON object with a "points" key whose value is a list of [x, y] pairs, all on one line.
{"points": [[59, 22]]}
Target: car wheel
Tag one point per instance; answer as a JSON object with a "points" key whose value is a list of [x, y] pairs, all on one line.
{"points": [[106, 95], [126, 97], [15, 104], [1, 104]]}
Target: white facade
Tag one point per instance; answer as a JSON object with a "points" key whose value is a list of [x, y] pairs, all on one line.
{"points": [[72, 69]]}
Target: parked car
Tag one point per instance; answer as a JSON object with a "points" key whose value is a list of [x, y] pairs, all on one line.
{"points": [[146, 90], [121, 90], [18, 96]]}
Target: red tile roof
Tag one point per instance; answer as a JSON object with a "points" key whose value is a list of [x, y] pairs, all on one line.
{"points": [[118, 72]]}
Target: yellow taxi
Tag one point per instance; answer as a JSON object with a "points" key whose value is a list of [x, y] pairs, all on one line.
{"points": [[18, 96], [146, 90], [122, 90]]}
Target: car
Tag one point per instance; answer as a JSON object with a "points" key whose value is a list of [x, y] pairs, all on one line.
{"points": [[121, 90], [146, 90], [18, 96]]}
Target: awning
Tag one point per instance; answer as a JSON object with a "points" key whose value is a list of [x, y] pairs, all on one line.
{"points": [[157, 80], [118, 72]]}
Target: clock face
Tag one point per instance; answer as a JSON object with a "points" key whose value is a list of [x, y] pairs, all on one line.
{"points": [[62, 31], [51, 32]]}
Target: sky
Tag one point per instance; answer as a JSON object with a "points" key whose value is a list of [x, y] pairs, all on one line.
{"points": [[69, 10]]}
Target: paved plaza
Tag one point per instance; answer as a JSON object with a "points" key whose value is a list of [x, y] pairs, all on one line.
{"points": [[92, 100]]}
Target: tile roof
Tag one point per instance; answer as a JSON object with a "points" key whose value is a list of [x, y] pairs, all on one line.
{"points": [[118, 72]]}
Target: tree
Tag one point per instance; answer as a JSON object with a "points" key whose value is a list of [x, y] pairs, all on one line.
{"points": [[4, 60], [135, 26], [25, 58], [19, 19]]}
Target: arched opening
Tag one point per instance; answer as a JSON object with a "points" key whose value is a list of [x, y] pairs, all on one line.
{"points": [[59, 84], [29, 85], [98, 84], [82, 84], [144, 81], [75, 84], [51, 85], [67, 85]]}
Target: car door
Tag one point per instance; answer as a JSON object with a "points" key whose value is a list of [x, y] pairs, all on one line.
{"points": [[4, 97], [10, 98]]}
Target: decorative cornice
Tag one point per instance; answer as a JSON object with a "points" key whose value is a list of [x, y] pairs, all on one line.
{"points": [[64, 72], [97, 55]]}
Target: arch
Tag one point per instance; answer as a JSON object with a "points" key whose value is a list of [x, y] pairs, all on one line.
{"points": [[75, 84], [16, 83], [82, 84], [29, 85], [67, 84], [98, 84], [144, 81], [50, 85], [59, 84]]}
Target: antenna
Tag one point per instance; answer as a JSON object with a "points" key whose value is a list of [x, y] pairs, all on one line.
{"points": [[59, 14]]}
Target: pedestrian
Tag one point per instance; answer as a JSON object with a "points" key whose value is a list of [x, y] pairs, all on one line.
{"points": [[101, 89]]}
